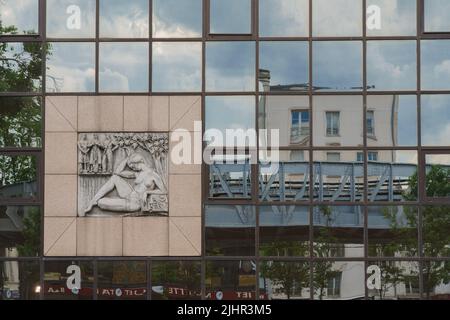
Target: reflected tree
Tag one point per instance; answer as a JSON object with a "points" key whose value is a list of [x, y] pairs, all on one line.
{"points": [[286, 277], [185, 275]]}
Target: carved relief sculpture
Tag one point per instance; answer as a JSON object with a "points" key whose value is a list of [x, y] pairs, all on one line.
{"points": [[122, 174]]}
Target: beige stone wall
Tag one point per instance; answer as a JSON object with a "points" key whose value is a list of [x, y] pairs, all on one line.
{"points": [[65, 234]]}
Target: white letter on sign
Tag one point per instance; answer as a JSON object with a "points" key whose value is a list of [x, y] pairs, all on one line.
{"points": [[374, 280]]}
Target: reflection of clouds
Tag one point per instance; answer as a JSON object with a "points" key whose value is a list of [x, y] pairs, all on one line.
{"points": [[230, 16], [226, 72], [435, 115], [435, 64], [283, 18], [71, 67], [57, 18], [22, 14], [177, 66], [337, 64], [232, 112], [337, 17], [124, 19], [391, 64], [177, 18], [286, 61], [443, 159], [120, 61], [398, 17], [437, 15]]}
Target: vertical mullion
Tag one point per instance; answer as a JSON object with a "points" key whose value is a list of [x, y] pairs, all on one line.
{"points": [[150, 46], [255, 189], [311, 148], [97, 45], [204, 167]]}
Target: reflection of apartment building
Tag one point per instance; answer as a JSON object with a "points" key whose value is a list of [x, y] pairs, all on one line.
{"points": [[336, 121]]}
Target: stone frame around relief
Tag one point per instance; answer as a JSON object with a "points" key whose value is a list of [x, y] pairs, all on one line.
{"points": [[122, 174]]}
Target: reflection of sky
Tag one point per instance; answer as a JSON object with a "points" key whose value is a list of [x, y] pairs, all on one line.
{"points": [[435, 114], [22, 14], [124, 19], [177, 66], [57, 19], [230, 16], [391, 65], [123, 67], [283, 18], [230, 66], [435, 64], [286, 61], [177, 18], [231, 112], [398, 18], [337, 17], [71, 67], [437, 15], [337, 64]]}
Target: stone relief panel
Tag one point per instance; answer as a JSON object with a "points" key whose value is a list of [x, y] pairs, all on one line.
{"points": [[123, 174]]}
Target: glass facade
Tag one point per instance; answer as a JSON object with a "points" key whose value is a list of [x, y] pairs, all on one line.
{"points": [[362, 105]]}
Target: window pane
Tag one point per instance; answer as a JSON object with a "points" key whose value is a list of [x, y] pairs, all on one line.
{"points": [[230, 230], [399, 280], [122, 280], [337, 121], [437, 16], [393, 176], [226, 73], [71, 18], [284, 231], [56, 280], [337, 65], [337, 18], [71, 67], [232, 113], [230, 176], [18, 177], [20, 280], [288, 115], [20, 234], [435, 280], [338, 231], [284, 280], [391, 65], [285, 64], [394, 120], [20, 122], [284, 175], [339, 280], [435, 117], [176, 280], [437, 175], [124, 67], [20, 67], [391, 18], [230, 280], [435, 226], [19, 17], [341, 180], [177, 66], [230, 16], [177, 18], [283, 18], [124, 19], [393, 231], [435, 57]]}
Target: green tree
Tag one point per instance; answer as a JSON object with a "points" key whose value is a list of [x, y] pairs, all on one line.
{"points": [[286, 276]]}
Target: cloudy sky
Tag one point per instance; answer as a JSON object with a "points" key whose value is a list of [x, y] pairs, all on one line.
{"points": [[230, 66]]}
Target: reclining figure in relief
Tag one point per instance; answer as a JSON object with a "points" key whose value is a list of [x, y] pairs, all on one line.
{"points": [[132, 196]]}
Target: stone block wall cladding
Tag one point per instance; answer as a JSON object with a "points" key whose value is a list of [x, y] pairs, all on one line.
{"points": [[66, 234]]}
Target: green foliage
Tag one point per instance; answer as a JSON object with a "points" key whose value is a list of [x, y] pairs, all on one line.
{"points": [[285, 276], [31, 234]]}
